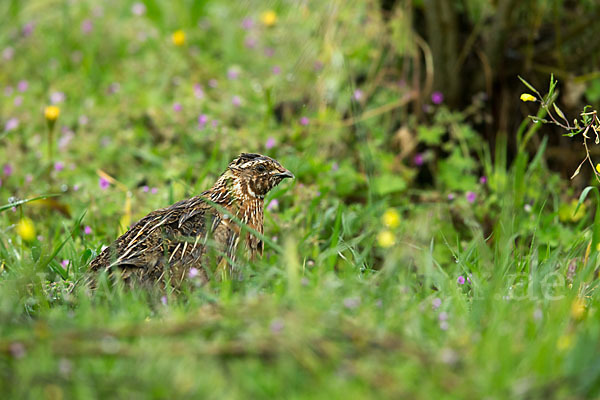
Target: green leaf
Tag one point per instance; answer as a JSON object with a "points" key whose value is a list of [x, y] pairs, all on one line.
{"points": [[431, 135], [529, 86], [20, 202], [387, 183], [559, 112]]}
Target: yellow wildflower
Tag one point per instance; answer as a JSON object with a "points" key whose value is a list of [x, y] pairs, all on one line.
{"points": [[26, 229], [564, 342], [598, 167], [51, 113], [527, 97], [391, 218], [385, 239], [577, 309], [268, 18], [178, 38]]}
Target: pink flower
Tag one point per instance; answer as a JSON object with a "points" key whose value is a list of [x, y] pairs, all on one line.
{"points": [[483, 180], [59, 166], [213, 83], [269, 52], [270, 143], [276, 70], [83, 120], [11, 124], [163, 300], [154, 190], [273, 205], [214, 123], [28, 178], [8, 53], [351, 302], [64, 264], [450, 196], [418, 159], [437, 97], [22, 85], [18, 101], [193, 272], [87, 26], [247, 24], [145, 188], [8, 170], [358, 95], [250, 42], [57, 97], [460, 280], [28, 29], [177, 107], [87, 230], [138, 9], [236, 101], [436, 303], [471, 197], [202, 120], [233, 73], [198, 91], [104, 183], [75, 186], [443, 316], [304, 121], [335, 166]]}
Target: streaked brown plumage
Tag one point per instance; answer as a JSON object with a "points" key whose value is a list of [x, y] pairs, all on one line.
{"points": [[193, 233]]}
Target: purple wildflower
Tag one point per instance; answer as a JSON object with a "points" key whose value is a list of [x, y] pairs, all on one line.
{"points": [[250, 42], [270, 143], [138, 9], [7, 169], [436, 303], [145, 188], [11, 124], [358, 95], [443, 316], [233, 73], [276, 70], [28, 29], [57, 97], [471, 197], [87, 26], [236, 101], [304, 121], [22, 85], [193, 272], [163, 300], [18, 101], [59, 166], [87, 230], [273, 205], [17, 350], [154, 190], [8, 53], [75, 187], [450, 196], [437, 97], [460, 280], [103, 183], [28, 178], [277, 326], [202, 120], [64, 264], [177, 107], [198, 91], [247, 23], [335, 166], [351, 302], [483, 180], [418, 159]]}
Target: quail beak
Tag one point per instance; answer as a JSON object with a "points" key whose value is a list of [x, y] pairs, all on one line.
{"points": [[285, 174]]}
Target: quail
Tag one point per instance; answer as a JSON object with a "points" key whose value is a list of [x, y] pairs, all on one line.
{"points": [[201, 232]]}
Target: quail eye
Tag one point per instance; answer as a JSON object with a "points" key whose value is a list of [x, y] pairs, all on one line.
{"points": [[261, 168]]}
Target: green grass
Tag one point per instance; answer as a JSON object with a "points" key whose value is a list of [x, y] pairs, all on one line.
{"points": [[328, 312]]}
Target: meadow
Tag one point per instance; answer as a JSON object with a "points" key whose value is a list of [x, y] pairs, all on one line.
{"points": [[411, 257]]}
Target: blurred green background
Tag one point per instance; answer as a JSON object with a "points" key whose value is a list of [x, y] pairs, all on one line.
{"points": [[430, 246]]}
